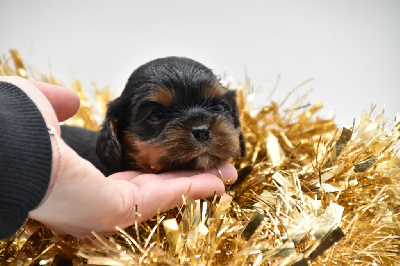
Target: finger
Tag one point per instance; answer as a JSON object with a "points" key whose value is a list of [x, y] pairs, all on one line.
{"points": [[164, 195], [225, 198], [141, 178], [65, 102], [198, 187], [227, 173]]}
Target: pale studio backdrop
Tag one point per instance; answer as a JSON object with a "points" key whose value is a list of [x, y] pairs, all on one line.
{"points": [[350, 48]]}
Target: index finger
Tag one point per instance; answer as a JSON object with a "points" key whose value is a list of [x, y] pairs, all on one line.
{"points": [[225, 171], [164, 195]]}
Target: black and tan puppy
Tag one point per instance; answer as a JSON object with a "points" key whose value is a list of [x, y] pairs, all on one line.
{"points": [[173, 114]]}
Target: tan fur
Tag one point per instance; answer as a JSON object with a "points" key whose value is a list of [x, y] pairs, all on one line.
{"points": [[145, 155], [162, 95], [216, 91]]}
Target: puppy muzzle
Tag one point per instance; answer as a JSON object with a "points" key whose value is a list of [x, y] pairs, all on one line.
{"points": [[188, 143]]}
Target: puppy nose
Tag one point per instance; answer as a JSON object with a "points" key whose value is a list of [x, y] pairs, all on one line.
{"points": [[201, 133]]}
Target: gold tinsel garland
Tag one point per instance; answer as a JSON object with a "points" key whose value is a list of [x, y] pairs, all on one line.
{"points": [[306, 194]]}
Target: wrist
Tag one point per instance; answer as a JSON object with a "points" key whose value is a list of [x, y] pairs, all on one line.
{"points": [[57, 162]]}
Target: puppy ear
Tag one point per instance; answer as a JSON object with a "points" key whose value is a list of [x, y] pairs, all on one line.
{"points": [[108, 148]]}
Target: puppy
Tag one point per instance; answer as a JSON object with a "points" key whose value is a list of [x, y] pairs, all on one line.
{"points": [[172, 114]]}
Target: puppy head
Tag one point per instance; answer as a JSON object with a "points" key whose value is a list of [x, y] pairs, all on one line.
{"points": [[173, 114]]}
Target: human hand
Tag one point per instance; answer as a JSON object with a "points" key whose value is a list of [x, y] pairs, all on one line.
{"points": [[83, 200]]}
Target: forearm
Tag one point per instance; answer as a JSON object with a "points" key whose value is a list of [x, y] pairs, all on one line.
{"points": [[25, 158]]}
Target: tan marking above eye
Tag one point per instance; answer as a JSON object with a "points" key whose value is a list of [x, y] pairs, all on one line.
{"points": [[215, 91], [163, 96]]}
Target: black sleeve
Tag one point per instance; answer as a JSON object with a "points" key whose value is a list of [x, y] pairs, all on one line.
{"points": [[25, 158]]}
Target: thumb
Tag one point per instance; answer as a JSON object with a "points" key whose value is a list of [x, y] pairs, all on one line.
{"points": [[65, 102]]}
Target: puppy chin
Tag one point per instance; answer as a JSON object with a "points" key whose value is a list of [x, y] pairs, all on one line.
{"points": [[206, 161], [202, 162]]}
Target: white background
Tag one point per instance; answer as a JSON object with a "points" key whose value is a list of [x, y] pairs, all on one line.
{"points": [[350, 48]]}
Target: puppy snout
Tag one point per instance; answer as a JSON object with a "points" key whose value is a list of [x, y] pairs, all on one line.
{"points": [[201, 133]]}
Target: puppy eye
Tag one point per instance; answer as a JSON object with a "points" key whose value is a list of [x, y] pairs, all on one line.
{"points": [[154, 117], [221, 108]]}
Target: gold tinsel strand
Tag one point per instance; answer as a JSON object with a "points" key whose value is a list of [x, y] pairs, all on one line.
{"points": [[306, 194]]}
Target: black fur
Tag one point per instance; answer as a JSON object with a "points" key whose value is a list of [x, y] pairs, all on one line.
{"points": [[83, 141]]}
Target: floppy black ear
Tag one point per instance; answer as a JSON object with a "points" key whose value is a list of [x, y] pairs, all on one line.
{"points": [[108, 148]]}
